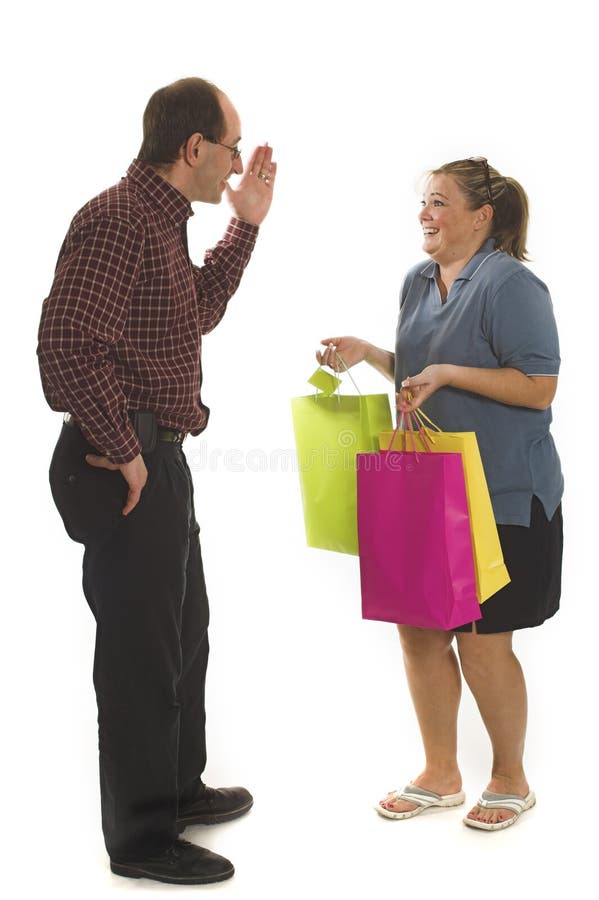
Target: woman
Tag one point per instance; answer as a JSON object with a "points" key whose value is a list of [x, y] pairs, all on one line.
{"points": [[476, 328]]}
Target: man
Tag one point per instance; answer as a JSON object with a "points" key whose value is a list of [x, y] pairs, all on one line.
{"points": [[119, 350]]}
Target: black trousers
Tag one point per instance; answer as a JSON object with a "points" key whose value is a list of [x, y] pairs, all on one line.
{"points": [[144, 582]]}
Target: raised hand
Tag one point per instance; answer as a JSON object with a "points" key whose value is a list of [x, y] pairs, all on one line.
{"points": [[251, 200]]}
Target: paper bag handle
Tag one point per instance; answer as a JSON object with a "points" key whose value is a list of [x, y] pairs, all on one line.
{"points": [[342, 361], [413, 419], [421, 415]]}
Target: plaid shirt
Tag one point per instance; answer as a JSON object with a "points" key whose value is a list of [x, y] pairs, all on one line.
{"points": [[123, 324]]}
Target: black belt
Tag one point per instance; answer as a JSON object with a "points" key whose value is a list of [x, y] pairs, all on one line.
{"points": [[169, 434], [163, 434]]}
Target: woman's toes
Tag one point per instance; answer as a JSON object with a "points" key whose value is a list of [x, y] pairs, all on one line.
{"points": [[504, 815], [397, 806], [489, 816]]}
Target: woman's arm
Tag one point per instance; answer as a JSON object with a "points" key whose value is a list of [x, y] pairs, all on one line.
{"points": [[354, 350], [505, 385]]}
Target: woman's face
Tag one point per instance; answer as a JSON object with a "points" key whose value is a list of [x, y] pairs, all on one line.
{"points": [[451, 231]]}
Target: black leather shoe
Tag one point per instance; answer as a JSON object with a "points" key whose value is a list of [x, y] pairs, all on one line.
{"points": [[183, 863], [214, 805]]}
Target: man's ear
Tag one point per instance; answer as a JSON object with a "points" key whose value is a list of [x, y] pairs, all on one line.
{"points": [[193, 149]]}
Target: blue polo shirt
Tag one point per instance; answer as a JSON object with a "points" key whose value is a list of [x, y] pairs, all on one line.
{"points": [[497, 315]]}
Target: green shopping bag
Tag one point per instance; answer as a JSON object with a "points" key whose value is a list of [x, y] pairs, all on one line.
{"points": [[329, 432]]}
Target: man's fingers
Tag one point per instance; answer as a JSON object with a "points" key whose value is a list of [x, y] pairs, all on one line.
{"points": [[136, 476], [262, 159], [101, 462], [252, 161], [266, 161], [256, 160], [132, 500], [134, 471]]}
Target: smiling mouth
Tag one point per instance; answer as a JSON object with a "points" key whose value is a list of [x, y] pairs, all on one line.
{"points": [[430, 231]]}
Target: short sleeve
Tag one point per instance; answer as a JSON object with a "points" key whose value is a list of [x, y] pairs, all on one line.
{"points": [[520, 325]]}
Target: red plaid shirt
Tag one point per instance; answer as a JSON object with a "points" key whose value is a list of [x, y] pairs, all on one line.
{"points": [[123, 324]]}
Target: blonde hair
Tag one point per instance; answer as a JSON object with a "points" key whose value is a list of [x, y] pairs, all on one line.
{"points": [[507, 197]]}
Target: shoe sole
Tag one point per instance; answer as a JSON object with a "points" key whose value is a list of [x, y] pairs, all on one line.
{"points": [[499, 826], [135, 872], [214, 818]]}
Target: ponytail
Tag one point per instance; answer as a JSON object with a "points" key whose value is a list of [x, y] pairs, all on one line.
{"points": [[510, 222]]}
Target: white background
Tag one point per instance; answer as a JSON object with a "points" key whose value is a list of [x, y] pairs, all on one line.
{"points": [[307, 704]]}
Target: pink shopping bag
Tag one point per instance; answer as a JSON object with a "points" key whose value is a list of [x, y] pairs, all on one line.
{"points": [[416, 562]]}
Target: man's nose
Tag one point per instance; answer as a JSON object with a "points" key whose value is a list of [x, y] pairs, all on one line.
{"points": [[238, 165]]}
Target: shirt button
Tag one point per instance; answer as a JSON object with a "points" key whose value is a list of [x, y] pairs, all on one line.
{"points": [[72, 479]]}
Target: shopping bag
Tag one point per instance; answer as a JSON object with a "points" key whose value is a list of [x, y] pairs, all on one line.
{"points": [[324, 381], [490, 569], [416, 560], [329, 432]]}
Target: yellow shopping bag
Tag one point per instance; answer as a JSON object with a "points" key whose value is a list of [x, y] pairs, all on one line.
{"points": [[490, 570]]}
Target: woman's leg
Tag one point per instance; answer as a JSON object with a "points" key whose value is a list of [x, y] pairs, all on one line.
{"points": [[495, 678], [435, 685]]}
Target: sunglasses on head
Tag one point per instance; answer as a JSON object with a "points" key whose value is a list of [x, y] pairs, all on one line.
{"points": [[482, 160]]}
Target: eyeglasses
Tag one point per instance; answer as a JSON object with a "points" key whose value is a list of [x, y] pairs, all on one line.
{"points": [[485, 165], [235, 151]]}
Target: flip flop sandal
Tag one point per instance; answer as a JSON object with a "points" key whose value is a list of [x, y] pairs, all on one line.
{"points": [[425, 799], [516, 804]]}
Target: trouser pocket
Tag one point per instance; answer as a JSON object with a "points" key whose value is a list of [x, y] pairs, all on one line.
{"points": [[90, 500]]}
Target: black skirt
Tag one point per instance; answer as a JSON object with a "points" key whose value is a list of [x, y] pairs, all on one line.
{"points": [[533, 557]]}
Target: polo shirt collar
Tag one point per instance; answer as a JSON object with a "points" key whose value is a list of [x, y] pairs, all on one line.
{"points": [[168, 198], [431, 269]]}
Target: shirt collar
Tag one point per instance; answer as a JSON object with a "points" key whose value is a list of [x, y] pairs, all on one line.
{"points": [[431, 269], [168, 198]]}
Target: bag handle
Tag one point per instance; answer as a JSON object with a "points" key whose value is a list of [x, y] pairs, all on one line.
{"points": [[342, 361], [421, 415], [403, 418], [412, 418], [338, 386]]}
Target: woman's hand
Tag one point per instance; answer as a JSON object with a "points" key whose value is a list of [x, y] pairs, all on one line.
{"points": [[351, 349], [418, 388], [507, 385]]}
